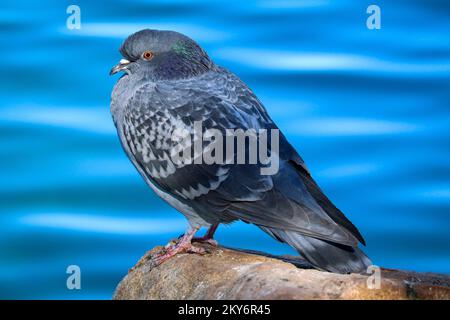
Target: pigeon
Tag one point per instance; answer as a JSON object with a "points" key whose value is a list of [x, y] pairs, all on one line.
{"points": [[169, 83]]}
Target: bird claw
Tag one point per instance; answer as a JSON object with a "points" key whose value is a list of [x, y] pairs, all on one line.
{"points": [[173, 249]]}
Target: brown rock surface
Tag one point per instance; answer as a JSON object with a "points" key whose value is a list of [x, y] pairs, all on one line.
{"points": [[232, 274]]}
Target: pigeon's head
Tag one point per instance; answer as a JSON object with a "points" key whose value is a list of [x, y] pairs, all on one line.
{"points": [[159, 54]]}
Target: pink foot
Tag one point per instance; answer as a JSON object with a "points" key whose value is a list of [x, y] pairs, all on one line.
{"points": [[175, 249], [183, 245]]}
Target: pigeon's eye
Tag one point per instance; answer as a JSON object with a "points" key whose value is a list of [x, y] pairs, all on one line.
{"points": [[147, 55]]}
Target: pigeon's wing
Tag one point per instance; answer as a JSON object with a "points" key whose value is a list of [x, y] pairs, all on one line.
{"points": [[157, 115], [158, 118]]}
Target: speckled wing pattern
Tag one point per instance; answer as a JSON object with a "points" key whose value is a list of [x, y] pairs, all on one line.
{"points": [[288, 200]]}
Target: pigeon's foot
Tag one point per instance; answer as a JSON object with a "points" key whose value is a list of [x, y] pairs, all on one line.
{"points": [[174, 250], [183, 245]]}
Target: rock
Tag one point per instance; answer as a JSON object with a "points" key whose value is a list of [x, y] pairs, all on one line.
{"points": [[225, 273]]}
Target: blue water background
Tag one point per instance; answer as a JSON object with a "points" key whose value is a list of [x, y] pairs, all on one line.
{"points": [[368, 110]]}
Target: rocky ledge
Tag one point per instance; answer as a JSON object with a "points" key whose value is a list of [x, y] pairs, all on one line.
{"points": [[226, 273]]}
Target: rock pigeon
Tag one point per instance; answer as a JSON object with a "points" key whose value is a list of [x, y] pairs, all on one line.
{"points": [[169, 84]]}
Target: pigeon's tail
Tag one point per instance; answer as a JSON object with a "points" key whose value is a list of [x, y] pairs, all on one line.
{"points": [[324, 255]]}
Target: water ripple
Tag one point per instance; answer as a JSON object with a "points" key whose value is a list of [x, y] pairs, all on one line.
{"points": [[122, 30], [348, 127], [97, 120], [321, 61], [103, 223]]}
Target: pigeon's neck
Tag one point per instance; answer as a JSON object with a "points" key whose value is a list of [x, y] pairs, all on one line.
{"points": [[123, 90], [175, 67]]}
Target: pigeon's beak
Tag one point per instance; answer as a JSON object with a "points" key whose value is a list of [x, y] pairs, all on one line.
{"points": [[122, 65]]}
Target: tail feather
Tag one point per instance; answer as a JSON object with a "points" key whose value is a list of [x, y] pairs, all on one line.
{"points": [[324, 255]]}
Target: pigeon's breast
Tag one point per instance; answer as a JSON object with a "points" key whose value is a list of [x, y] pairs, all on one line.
{"points": [[123, 91]]}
